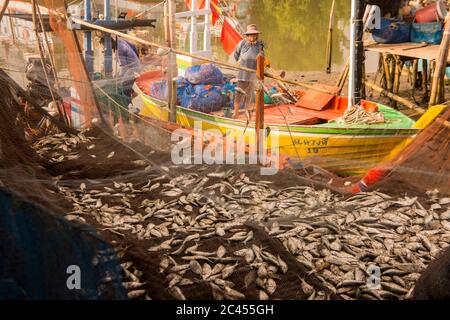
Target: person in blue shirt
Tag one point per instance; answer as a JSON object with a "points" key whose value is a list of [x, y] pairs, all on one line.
{"points": [[129, 62], [128, 56]]}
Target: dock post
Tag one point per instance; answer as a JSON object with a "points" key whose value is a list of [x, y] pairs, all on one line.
{"points": [[441, 64], [356, 53], [425, 79], [172, 65], [88, 53], [107, 42], [259, 116]]}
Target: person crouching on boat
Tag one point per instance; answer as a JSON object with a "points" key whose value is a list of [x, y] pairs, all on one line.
{"points": [[128, 55], [245, 54], [129, 62]]}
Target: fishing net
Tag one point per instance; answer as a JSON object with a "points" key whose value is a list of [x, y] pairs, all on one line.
{"points": [[38, 245], [38, 249], [118, 176], [424, 165]]}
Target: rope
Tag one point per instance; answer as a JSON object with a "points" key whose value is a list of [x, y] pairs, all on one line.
{"points": [[357, 114]]}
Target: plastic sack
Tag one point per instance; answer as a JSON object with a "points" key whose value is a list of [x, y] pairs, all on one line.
{"points": [[158, 89], [203, 98], [392, 31], [430, 32], [228, 92], [204, 74]]}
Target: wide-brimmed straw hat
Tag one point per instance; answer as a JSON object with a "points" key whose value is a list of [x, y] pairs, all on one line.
{"points": [[252, 29]]}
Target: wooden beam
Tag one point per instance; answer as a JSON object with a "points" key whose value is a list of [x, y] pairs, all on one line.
{"points": [[395, 97], [172, 67], [259, 117]]}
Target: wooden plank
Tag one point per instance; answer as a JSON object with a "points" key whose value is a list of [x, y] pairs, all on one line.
{"points": [[317, 100], [429, 52]]}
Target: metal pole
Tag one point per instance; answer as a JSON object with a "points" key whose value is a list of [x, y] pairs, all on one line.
{"points": [[356, 53], [107, 39], [88, 53]]}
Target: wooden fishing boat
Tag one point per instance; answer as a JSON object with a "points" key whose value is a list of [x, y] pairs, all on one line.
{"points": [[304, 134]]}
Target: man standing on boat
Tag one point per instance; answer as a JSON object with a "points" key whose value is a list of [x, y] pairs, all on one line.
{"points": [[245, 54]]}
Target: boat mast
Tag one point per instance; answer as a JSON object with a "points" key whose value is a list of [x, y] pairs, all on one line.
{"points": [[356, 53]]}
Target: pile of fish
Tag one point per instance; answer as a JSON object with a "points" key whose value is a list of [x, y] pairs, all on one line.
{"points": [[369, 246], [132, 278], [59, 147]]}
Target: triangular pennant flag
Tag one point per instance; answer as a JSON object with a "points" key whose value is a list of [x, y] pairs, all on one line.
{"points": [[230, 37], [216, 11]]}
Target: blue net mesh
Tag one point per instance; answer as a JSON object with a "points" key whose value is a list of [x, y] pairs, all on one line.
{"points": [[38, 247]]}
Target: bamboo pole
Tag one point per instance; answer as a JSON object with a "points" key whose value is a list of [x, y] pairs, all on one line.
{"points": [[397, 76], [414, 73], [5, 5], [392, 66], [170, 29], [11, 82], [395, 97], [442, 96], [52, 62], [330, 38], [441, 63], [230, 65], [42, 56], [259, 117], [11, 26], [387, 74], [425, 79], [343, 76], [89, 84]]}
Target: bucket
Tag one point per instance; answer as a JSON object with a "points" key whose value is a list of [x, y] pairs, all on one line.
{"points": [[431, 13]]}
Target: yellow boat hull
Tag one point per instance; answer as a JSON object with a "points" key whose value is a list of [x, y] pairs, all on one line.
{"points": [[348, 152]]}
